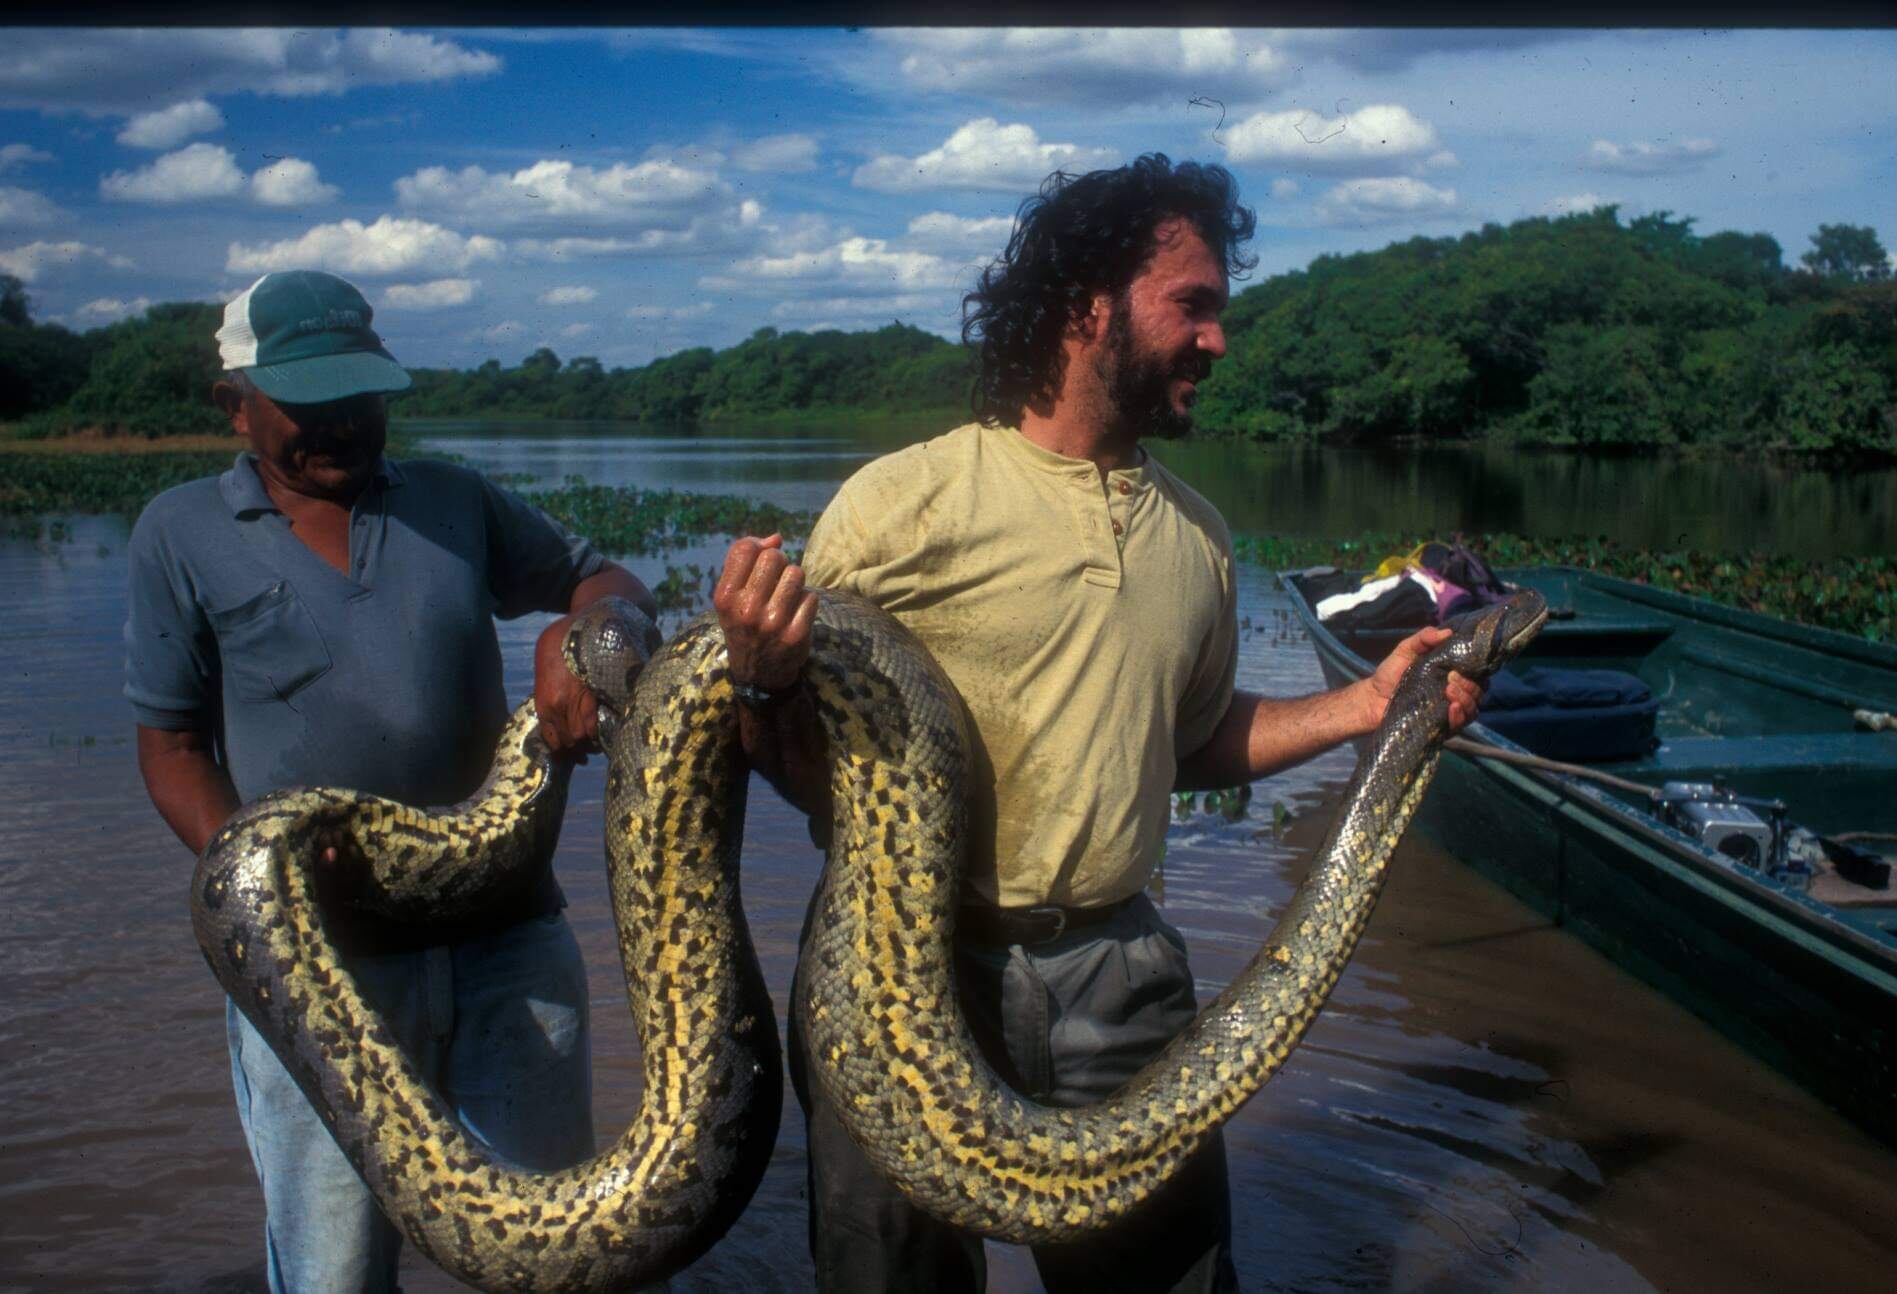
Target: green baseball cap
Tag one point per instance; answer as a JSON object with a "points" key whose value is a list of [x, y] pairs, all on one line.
{"points": [[303, 337]]}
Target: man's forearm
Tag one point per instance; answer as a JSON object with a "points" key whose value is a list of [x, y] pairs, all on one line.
{"points": [[785, 744], [189, 788], [612, 581], [1261, 735]]}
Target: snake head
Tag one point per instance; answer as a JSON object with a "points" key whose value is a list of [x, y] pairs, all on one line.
{"points": [[1486, 642], [606, 647]]}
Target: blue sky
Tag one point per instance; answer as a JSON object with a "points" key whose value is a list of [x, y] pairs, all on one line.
{"points": [[626, 194]]}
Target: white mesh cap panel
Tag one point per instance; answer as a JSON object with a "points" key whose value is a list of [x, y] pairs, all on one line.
{"points": [[236, 340]]}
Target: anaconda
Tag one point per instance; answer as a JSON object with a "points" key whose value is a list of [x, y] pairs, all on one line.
{"points": [[876, 999], [876, 994], [689, 1162]]}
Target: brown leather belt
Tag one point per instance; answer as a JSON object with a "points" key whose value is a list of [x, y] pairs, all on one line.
{"points": [[982, 923]]}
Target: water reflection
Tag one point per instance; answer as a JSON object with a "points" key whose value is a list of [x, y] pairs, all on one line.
{"points": [[1713, 503]]}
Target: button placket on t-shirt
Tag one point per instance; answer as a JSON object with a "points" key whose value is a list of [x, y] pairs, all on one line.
{"points": [[1122, 494], [1101, 529], [367, 524]]}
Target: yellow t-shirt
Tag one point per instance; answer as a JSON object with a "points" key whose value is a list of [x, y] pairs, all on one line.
{"points": [[1090, 625]]}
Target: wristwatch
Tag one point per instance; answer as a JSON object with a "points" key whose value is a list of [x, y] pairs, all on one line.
{"points": [[758, 698]]}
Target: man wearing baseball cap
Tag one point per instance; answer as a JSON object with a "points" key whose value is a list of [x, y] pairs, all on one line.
{"points": [[322, 615]]}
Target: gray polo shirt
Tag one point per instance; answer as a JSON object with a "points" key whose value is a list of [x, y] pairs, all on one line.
{"points": [[384, 679]]}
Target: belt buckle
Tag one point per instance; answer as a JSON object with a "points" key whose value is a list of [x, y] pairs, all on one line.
{"points": [[1059, 916]]}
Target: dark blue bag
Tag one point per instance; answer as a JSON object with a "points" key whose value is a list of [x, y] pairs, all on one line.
{"points": [[1575, 715]]}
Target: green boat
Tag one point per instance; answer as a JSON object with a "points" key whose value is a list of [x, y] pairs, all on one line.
{"points": [[1760, 723]]}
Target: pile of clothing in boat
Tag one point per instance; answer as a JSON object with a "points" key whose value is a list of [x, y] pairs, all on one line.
{"points": [[1425, 586], [1575, 715]]}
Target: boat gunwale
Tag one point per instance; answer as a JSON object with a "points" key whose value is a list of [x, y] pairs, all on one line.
{"points": [[1831, 642]]}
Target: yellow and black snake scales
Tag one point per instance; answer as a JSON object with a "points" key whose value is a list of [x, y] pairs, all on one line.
{"points": [[875, 998], [686, 1167]]}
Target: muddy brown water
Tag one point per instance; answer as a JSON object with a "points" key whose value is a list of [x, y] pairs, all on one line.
{"points": [[1485, 1104]]}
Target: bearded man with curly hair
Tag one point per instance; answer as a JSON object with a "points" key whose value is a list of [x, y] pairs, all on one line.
{"points": [[1083, 599]]}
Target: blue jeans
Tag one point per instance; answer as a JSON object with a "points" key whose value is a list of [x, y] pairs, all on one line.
{"points": [[497, 1024]]}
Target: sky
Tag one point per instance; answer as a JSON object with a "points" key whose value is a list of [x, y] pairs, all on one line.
{"points": [[626, 194]]}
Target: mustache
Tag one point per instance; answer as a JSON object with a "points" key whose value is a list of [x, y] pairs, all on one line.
{"points": [[330, 445]]}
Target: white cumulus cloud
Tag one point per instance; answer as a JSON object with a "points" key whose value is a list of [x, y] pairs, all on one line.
{"points": [[779, 154], [391, 245], [861, 306], [697, 310], [1572, 203], [437, 294], [982, 154], [504, 330], [12, 155], [1369, 139], [935, 311], [195, 173], [1282, 188], [122, 71], [560, 250], [865, 264], [940, 231], [170, 127], [576, 330], [1089, 67], [577, 295], [290, 182], [649, 194], [105, 310], [1644, 158], [19, 207], [722, 231], [27, 263], [1384, 199]]}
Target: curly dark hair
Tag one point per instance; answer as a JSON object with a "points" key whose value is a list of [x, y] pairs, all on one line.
{"points": [[1078, 236]]}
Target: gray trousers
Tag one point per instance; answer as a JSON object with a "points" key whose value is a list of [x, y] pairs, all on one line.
{"points": [[1066, 1023]]}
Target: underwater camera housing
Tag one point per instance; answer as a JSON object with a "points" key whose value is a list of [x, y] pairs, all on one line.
{"points": [[1728, 824]]}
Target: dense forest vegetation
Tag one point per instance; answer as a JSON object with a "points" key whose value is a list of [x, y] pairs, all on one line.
{"points": [[897, 368], [1576, 331], [150, 375]]}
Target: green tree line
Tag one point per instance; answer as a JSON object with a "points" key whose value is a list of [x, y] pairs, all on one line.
{"points": [[1576, 331], [150, 375], [1581, 331], [896, 368]]}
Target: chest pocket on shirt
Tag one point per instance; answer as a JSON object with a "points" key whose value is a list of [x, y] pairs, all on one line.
{"points": [[269, 645]]}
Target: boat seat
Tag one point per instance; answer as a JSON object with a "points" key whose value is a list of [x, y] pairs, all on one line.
{"points": [[1628, 637], [1592, 626], [1803, 752]]}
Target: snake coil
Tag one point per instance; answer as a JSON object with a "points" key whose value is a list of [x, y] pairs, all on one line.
{"points": [[684, 1169], [876, 1000], [875, 995]]}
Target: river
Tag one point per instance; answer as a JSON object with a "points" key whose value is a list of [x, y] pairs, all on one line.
{"points": [[1486, 1104], [1717, 503]]}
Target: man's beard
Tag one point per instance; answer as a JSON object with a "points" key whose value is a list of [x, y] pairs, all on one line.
{"points": [[1139, 395]]}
